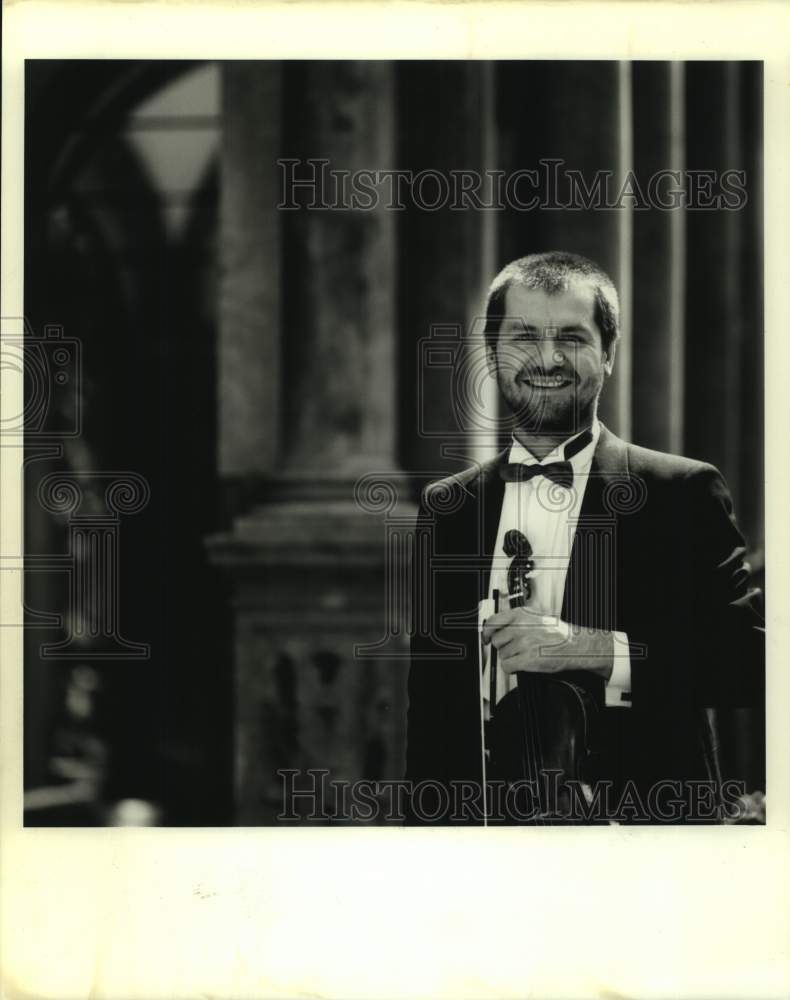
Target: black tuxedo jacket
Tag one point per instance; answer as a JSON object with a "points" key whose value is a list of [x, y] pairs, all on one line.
{"points": [[656, 554]]}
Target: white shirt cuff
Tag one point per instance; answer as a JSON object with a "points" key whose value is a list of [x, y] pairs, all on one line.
{"points": [[618, 687]]}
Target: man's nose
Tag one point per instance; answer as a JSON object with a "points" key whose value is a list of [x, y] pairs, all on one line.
{"points": [[551, 353]]}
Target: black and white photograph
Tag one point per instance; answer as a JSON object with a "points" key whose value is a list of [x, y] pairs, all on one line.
{"points": [[273, 313], [390, 432]]}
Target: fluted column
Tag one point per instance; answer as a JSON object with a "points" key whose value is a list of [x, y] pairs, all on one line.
{"points": [[446, 259], [546, 128], [319, 662], [660, 252], [338, 329], [248, 356]]}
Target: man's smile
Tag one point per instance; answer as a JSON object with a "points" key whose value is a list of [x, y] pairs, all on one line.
{"points": [[536, 381]]}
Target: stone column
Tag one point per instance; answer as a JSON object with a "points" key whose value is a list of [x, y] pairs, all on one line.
{"points": [[545, 127], [446, 258], [307, 562], [338, 330], [660, 251], [249, 314]]}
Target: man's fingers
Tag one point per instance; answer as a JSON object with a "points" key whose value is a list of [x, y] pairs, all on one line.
{"points": [[503, 636], [514, 659], [526, 631], [515, 641], [507, 617], [496, 622]]}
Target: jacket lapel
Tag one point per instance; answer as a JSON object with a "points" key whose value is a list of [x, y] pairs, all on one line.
{"points": [[492, 493], [469, 541], [594, 567]]}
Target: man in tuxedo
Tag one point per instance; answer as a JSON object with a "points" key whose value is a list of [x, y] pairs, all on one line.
{"points": [[634, 591]]}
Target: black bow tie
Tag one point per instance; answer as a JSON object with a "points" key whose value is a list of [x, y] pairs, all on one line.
{"points": [[557, 472]]}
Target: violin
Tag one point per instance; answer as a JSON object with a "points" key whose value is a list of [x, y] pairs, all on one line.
{"points": [[541, 736]]}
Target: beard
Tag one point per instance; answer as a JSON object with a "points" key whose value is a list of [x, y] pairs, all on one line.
{"points": [[552, 411]]}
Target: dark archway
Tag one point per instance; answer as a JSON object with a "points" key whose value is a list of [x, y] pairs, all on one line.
{"points": [[100, 262]]}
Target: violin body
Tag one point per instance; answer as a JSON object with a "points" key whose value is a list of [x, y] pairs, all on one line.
{"points": [[543, 748], [541, 736]]}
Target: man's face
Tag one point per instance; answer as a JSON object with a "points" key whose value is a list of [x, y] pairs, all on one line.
{"points": [[549, 362]]}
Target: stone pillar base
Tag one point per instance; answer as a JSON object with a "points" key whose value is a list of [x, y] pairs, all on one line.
{"points": [[309, 592]]}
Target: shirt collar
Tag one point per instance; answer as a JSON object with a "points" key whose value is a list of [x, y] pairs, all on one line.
{"points": [[519, 454]]}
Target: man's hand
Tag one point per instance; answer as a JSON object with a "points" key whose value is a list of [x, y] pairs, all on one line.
{"points": [[529, 640]]}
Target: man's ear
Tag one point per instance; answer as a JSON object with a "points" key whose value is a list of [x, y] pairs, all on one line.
{"points": [[608, 358], [491, 360]]}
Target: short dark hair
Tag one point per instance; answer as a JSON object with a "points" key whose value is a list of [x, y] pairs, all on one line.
{"points": [[552, 272]]}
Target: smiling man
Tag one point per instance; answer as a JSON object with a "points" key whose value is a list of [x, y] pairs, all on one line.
{"points": [[584, 602], [551, 335]]}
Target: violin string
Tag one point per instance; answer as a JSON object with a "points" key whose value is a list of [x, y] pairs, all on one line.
{"points": [[532, 686], [532, 749], [539, 761], [533, 697], [530, 707], [484, 770]]}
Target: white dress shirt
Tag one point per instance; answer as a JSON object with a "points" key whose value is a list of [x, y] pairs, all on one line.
{"points": [[547, 514]]}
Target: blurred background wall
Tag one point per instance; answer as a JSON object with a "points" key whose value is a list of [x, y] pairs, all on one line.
{"points": [[252, 363]]}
